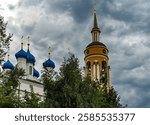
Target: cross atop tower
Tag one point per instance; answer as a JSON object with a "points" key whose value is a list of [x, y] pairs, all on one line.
{"points": [[49, 52]]}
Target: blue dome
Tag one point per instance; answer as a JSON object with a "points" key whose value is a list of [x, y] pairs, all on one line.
{"points": [[21, 54], [35, 73], [8, 65], [30, 57], [49, 63]]}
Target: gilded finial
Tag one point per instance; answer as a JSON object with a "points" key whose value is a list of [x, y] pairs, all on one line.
{"points": [[22, 42], [28, 42], [8, 52], [49, 52]]}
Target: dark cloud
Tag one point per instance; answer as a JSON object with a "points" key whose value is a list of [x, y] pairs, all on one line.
{"points": [[65, 26], [79, 9]]}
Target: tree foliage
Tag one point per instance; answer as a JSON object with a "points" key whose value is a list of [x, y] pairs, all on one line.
{"points": [[4, 39], [8, 87], [64, 90], [70, 90], [31, 100], [10, 94]]}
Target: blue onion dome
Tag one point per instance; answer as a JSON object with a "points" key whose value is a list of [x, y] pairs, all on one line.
{"points": [[49, 63], [21, 54], [30, 57], [35, 73], [8, 65]]}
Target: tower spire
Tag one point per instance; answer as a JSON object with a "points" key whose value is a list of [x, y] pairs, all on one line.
{"points": [[22, 43], [49, 52], [8, 53], [95, 30], [28, 42], [95, 17]]}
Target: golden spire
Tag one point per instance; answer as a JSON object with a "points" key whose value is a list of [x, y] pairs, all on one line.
{"points": [[95, 30], [95, 17], [28, 42], [49, 52], [22, 42], [8, 52], [94, 6]]}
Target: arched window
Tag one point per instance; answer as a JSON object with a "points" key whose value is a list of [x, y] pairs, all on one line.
{"points": [[88, 66], [95, 70], [104, 73], [30, 70], [104, 65], [95, 37]]}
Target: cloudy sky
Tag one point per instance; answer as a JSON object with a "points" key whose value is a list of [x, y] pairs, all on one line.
{"points": [[65, 26]]}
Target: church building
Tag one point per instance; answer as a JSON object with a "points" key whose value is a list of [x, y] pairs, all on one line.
{"points": [[26, 60]]}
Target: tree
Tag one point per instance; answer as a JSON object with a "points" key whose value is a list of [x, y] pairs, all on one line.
{"points": [[70, 90], [70, 80], [49, 82], [10, 95], [64, 90], [91, 95], [4, 39], [112, 100], [9, 86]]}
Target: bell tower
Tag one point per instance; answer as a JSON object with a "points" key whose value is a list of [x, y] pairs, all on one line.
{"points": [[96, 57]]}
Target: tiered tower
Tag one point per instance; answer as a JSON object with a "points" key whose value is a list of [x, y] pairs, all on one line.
{"points": [[96, 57]]}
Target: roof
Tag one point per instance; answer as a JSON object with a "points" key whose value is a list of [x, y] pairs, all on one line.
{"points": [[30, 57], [8, 65], [96, 43], [21, 54], [49, 63], [35, 73]]}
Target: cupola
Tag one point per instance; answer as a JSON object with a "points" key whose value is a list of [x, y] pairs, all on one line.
{"points": [[49, 63], [8, 64]]}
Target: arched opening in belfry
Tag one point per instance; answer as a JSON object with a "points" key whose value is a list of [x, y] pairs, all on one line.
{"points": [[88, 66], [103, 78], [104, 65]]}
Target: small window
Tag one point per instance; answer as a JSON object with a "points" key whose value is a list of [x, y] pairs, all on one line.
{"points": [[87, 51], [30, 70], [104, 51]]}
